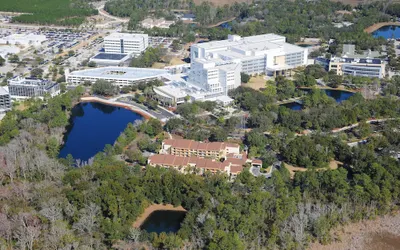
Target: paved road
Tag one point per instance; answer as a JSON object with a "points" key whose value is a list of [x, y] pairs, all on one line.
{"points": [[160, 112], [256, 170]]}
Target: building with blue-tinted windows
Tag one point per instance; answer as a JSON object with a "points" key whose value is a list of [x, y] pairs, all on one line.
{"points": [[358, 67], [125, 43]]}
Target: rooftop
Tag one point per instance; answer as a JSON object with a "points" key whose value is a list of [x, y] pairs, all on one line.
{"points": [[109, 56], [176, 161], [190, 144], [237, 41], [122, 73], [3, 91], [125, 36], [357, 60]]}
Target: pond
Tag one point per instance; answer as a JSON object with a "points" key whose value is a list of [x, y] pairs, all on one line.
{"points": [[92, 126], [338, 95], [387, 32], [293, 106], [163, 221]]}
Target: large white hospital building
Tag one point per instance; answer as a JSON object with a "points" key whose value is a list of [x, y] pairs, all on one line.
{"points": [[263, 54], [216, 66], [125, 43]]}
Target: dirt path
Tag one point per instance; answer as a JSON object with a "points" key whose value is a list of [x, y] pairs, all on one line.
{"points": [[381, 233], [377, 26], [155, 207]]}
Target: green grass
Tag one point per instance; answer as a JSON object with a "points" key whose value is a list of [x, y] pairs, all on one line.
{"points": [[57, 12]]}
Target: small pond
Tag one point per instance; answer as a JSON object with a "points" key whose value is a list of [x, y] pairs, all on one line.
{"points": [[338, 95], [92, 126], [387, 32], [163, 221], [293, 105]]}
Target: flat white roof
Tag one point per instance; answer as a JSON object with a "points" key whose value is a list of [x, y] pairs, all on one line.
{"points": [[242, 41], [127, 36], [3, 91], [170, 90], [25, 37], [120, 73]]}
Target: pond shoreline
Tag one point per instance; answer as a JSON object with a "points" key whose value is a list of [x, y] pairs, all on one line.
{"points": [[380, 233], [155, 207], [136, 110], [377, 26]]}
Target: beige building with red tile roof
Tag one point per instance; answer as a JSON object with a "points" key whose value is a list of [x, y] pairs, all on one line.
{"points": [[212, 150], [188, 155], [185, 164]]}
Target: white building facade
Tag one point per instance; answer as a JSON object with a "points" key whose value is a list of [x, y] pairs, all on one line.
{"points": [[23, 88], [120, 76], [5, 100], [216, 66], [262, 54], [124, 43]]}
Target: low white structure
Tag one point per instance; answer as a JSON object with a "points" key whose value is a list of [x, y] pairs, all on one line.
{"points": [[150, 23], [125, 43], [6, 50], [120, 76], [24, 39], [105, 59]]}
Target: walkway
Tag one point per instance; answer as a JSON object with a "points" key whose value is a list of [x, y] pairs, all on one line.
{"points": [[377, 26], [135, 109]]}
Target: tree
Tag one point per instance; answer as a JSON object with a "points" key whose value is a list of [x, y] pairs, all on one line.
{"points": [[176, 45], [334, 80], [2, 61], [102, 87], [245, 78], [91, 64], [13, 58], [36, 72]]}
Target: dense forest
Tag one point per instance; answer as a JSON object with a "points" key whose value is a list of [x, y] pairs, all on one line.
{"points": [[49, 204], [293, 19], [55, 12]]}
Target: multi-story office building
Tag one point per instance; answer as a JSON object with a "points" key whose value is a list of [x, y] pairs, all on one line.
{"points": [[216, 76], [124, 43], [357, 67], [20, 87], [262, 54], [5, 100], [121, 76]]}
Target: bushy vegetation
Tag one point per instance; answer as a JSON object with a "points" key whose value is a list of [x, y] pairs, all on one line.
{"points": [[147, 58], [102, 87], [55, 12]]}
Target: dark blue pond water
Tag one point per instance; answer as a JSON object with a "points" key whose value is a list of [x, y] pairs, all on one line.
{"points": [[92, 126], [163, 221], [388, 32], [293, 106], [338, 95]]}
